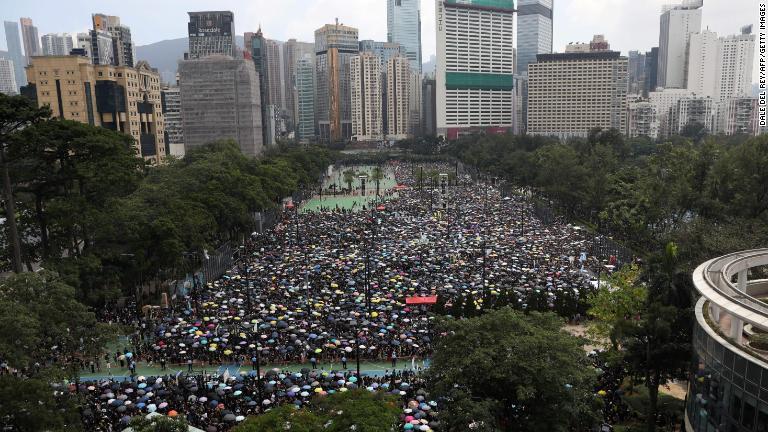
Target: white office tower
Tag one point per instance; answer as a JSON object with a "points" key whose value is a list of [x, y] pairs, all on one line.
{"points": [[170, 98], [641, 119], [474, 72], [365, 86], [8, 77], [534, 31], [56, 44], [398, 98], [404, 28], [678, 22], [84, 42], [665, 102]]}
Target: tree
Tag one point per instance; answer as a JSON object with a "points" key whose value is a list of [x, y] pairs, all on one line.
{"points": [[657, 347], [377, 175], [349, 177], [46, 334], [354, 410], [620, 298], [507, 368], [16, 113]]}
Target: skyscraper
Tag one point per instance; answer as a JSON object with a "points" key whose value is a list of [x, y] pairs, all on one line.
{"points": [[365, 83], [637, 65], [123, 50], [274, 62], [475, 66], [13, 40], [571, 93], [174, 129], [305, 97], [220, 100], [102, 49], [398, 87], [534, 31], [31, 41], [677, 24], [84, 42], [211, 32], [703, 53], [293, 51], [8, 78], [335, 45], [56, 44], [404, 27], [721, 68], [651, 70], [428, 117], [736, 61]]}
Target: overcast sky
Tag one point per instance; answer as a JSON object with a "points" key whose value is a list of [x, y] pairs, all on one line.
{"points": [[627, 24]]}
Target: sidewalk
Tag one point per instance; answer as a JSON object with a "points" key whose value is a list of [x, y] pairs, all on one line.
{"points": [[142, 369]]}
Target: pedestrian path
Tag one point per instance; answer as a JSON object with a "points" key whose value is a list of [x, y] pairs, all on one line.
{"points": [[142, 369]]}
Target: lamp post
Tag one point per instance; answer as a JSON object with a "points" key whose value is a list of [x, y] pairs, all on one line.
{"points": [[258, 363]]}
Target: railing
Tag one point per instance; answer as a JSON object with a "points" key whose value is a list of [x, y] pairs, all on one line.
{"points": [[714, 277]]}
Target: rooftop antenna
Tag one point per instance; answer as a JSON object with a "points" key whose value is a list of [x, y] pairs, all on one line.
{"points": [[337, 20]]}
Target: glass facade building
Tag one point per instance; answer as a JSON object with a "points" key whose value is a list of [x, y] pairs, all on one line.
{"points": [[404, 28], [534, 31]]}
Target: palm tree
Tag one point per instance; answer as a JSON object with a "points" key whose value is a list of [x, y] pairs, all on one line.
{"points": [[349, 177], [377, 174]]}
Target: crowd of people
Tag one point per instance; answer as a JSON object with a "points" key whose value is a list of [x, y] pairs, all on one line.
{"points": [[331, 285]]}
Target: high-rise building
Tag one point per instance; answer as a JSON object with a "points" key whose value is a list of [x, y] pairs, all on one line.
{"points": [[637, 63], [474, 74], [174, 129], [120, 98], [721, 68], [335, 45], [736, 61], [365, 83], [31, 41], [571, 93], [738, 116], [404, 28], [665, 104], [428, 113], [694, 109], [123, 50], [651, 70], [520, 104], [293, 50], [398, 97], [275, 83], [13, 41], [255, 45], [678, 22], [383, 50], [102, 49], [8, 78], [210, 33], [703, 53], [220, 100], [56, 44], [305, 97], [641, 119], [414, 103], [534, 31]]}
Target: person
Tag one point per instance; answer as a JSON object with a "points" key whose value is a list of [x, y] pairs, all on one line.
{"points": [[162, 363], [189, 364], [344, 362], [313, 360], [394, 359]]}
